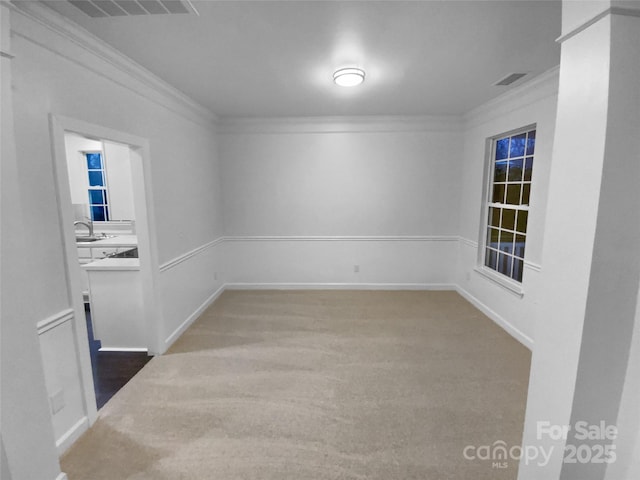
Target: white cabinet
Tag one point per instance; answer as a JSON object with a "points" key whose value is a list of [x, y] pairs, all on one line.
{"points": [[116, 303], [89, 252]]}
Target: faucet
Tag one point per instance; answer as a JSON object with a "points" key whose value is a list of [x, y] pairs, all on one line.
{"points": [[89, 225]]}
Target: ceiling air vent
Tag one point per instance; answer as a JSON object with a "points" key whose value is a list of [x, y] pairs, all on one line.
{"points": [[509, 79], [124, 8]]}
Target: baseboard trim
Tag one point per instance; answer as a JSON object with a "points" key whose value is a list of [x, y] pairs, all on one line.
{"points": [[340, 286], [71, 435], [124, 349], [516, 333], [62, 476], [191, 318]]}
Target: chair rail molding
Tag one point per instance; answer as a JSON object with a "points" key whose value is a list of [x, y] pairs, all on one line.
{"points": [[55, 320]]}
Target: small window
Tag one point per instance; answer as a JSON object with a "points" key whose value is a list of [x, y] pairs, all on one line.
{"points": [[98, 200], [507, 202]]}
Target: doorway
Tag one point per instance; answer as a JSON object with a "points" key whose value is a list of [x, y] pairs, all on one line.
{"points": [[101, 188], [106, 213]]}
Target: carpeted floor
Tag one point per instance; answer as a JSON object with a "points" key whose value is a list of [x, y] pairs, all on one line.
{"points": [[276, 385]]}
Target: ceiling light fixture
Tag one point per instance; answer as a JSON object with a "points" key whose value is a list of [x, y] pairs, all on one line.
{"points": [[348, 77]]}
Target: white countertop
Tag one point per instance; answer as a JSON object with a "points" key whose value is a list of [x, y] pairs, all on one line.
{"points": [[119, 241], [113, 264]]}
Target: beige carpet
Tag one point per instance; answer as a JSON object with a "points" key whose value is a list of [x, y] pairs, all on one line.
{"points": [[275, 385]]}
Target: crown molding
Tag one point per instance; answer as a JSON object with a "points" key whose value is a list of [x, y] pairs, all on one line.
{"points": [[136, 78], [5, 40], [340, 124], [621, 11], [538, 88]]}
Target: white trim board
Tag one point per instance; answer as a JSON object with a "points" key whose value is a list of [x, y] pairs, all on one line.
{"points": [[507, 326], [342, 124], [499, 320], [106, 61], [191, 253], [192, 318], [340, 286], [468, 242], [527, 263], [70, 436], [538, 88], [622, 11], [124, 349], [516, 333], [55, 320]]}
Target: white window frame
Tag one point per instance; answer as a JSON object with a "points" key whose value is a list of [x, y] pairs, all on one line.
{"points": [[104, 188], [502, 280]]}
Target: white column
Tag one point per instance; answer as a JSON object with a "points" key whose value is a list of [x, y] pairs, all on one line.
{"points": [[591, 251], [627, 464], [28, 444]]}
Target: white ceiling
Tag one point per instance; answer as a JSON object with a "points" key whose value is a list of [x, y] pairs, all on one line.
{"points": [[271, 59]]}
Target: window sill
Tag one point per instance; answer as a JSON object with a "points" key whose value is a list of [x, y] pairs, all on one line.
{"points": [[509, 285]]}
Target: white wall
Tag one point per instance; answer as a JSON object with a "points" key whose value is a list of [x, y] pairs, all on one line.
{"points": [[306, 201], [195, 278], [345, 182], [303, 203], [54, 74], [28, 445], [575, 13], [119, 181], [532, 103]]}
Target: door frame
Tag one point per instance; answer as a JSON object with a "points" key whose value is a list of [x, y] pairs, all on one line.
{"points": [[145, 231]]}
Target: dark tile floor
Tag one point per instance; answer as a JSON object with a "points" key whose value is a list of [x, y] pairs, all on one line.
{"points": [[111, 370]]}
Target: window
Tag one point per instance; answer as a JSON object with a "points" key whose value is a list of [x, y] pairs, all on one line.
{"points": [[98, 200], [507, 202]]}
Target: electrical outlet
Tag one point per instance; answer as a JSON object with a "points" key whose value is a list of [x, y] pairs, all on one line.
{"points": [[56, 401], [356, 268]]}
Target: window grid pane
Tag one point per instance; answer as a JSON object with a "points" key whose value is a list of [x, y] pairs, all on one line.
{"points": [[94, 161], [96, 197], [508, 203], [98, 214], [99, 206], [95, 178]]}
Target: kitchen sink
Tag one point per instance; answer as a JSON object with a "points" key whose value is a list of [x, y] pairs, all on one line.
{"points": [[88, 239], [131, 253]]}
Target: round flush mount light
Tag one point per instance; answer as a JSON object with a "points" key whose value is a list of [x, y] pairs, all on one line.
{"points": [[348, 77]]}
